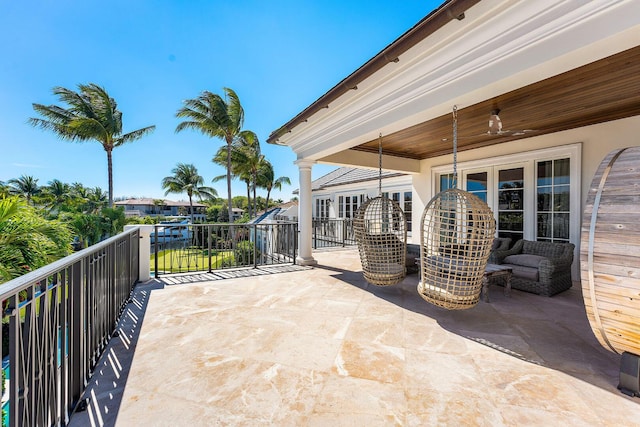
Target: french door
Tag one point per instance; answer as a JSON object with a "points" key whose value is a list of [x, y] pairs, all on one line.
{"points": [[505, 191]]}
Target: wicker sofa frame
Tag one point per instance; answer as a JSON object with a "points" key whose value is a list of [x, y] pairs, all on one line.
{"points": [[554, 271], [499, 244]]}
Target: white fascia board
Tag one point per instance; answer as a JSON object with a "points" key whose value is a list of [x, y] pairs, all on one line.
{"points": [[499, 46]]}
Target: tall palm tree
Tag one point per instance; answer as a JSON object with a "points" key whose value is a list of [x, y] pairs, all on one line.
{"points": [[245, 160], [25, 186], [217, 117], [185, 179], [91, 115], [267, 180], [236, 168]]}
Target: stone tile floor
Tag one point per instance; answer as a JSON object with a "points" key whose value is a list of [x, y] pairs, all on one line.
{"points": [[320, 347]]}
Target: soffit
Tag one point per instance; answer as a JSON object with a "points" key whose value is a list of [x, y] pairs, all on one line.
{"points": [[605, 90]]}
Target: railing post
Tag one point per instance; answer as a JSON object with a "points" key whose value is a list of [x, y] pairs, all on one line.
{"points": [[255, 245], [144, 250], [315, 236], [344, 233], [155, 250], [209, 239], [295, 243]]}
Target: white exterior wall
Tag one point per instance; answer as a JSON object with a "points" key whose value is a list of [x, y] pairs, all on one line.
{"points": [[596, 142], [368, 188]]}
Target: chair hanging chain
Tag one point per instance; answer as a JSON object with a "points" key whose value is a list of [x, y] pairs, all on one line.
{"points": [[455, 147], [380, 165]]}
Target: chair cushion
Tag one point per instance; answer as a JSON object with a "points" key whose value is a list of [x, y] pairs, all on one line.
{"points": [[528, 273], [526, 260], [459, 294]]}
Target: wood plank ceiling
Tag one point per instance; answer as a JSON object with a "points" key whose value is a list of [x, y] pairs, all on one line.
{"points": [[608, 89]]}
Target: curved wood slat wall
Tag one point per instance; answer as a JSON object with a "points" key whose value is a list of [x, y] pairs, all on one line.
{"points": [[610, 252]]}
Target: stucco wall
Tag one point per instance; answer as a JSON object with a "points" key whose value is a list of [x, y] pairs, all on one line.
{"points": [[597, 141]]}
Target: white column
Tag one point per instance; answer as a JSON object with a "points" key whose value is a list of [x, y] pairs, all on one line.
{"points": [[144, 254], [305, 256]]}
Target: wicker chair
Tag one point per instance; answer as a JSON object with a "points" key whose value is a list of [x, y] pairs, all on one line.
{"points": [[542, 268], [499, 244], [380, 230]]}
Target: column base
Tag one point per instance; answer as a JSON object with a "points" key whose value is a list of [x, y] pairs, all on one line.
{"points": [[306, 261]]}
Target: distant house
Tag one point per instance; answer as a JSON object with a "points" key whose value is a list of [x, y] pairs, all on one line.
{"points": [[338, 194], [161, 207], [237, 213], [283, 212]]}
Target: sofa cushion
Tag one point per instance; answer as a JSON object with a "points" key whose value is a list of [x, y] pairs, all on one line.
{"points": [[527, 260], [528, 273]]}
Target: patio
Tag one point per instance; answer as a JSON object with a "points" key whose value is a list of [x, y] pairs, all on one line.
{"points": [[318, 346]]}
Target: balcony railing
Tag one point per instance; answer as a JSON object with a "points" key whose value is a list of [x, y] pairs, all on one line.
{"points": [[184, 248], [57, 321], [332, 233]]}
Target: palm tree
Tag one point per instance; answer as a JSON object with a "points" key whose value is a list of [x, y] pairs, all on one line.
{"points": [[58, 193], [216, 117], [185, 179], [245, 161], [266, 179], [221, 159], [25, 186], [28, 241], [157, 205], [95, 200], [4, 189], [91, 115]]}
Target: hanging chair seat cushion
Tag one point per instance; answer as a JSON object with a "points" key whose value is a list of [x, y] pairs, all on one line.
{"points": [[446, 295], [386, 268], [452, 266]]}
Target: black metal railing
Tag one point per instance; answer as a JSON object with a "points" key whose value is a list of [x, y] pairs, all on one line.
{"points": [[181, 248], [57, 321], [332, 233]]}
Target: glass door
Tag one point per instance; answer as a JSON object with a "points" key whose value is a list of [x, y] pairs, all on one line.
{"points": [[477, 183], [510, 212]]}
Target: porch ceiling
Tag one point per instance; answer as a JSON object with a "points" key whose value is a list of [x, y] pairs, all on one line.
{"points": [[608, 89]]}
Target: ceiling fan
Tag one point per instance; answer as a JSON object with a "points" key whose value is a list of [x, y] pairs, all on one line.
{"points": [[495, 128]]}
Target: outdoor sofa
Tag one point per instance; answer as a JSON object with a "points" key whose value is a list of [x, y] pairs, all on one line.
{"points": [[542, 268]]}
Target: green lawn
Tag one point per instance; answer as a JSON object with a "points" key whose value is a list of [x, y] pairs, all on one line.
{"points": [[189, 259]]}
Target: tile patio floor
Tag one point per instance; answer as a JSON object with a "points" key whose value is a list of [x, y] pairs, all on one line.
{"points": [[319, 347]]}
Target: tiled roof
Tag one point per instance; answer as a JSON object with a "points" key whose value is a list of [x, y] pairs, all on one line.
{"points": [[273, 211], [347, 175], [149, 202]]}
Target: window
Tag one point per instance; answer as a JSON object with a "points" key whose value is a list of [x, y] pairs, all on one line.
{"points": [[535, 195], [511, 203], [348, 205], [477, 184], [553, 190], [446, 181], [322, 208], [408, 209]]}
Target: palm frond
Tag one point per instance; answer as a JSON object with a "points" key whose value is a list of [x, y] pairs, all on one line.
{"points": [[134, 135]]}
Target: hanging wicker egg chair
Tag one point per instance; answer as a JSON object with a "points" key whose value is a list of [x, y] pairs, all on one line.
{"points": [[456, 233], [380, 231], [457, 230]]}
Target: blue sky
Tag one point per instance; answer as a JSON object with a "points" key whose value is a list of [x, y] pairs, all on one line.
{"points": [[279, 56]]}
